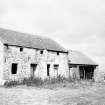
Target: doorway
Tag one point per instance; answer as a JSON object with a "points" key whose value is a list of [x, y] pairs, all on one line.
{"points": [[33, 69]]}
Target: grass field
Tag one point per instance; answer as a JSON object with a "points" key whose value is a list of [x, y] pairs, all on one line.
{"points": [[58, 94]]}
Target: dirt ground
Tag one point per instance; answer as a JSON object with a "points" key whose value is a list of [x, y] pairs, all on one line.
{"points": [[67, 95]]}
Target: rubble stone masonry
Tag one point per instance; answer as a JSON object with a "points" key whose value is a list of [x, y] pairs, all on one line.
{"points": [[28, 56]]}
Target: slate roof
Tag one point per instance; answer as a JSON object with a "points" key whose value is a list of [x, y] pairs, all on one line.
{"points": [[79, 58], [27, 40]]}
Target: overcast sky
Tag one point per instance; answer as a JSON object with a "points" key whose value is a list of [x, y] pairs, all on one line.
{"points": [[75, 24]]}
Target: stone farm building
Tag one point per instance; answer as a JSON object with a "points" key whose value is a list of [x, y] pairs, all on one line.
{"points": [[81, 66], [23, 55]]}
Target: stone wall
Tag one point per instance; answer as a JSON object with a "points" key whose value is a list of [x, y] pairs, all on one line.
{"points": [[99, 75], [1, 60], [12, 54], [74, 72]]}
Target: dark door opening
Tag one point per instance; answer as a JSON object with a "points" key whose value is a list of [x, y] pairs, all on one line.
{"points": [[48, 69], [33, 69], [86, 72]]}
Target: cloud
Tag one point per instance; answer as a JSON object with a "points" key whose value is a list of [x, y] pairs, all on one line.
{"points": [[75, 24]]}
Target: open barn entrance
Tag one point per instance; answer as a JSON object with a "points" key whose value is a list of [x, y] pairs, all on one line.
{"points": [[86, 72]]}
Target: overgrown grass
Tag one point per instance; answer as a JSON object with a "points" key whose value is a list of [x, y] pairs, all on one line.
{"points": [[11, 83], [36, 81], [49, 82], [26, 81]]}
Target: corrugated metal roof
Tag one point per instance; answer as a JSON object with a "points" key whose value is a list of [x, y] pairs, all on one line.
{"points": [[26, 40], [77, 57]]}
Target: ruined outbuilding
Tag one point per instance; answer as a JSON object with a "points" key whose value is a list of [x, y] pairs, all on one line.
{"points": [[81, 66], [24, 55]]}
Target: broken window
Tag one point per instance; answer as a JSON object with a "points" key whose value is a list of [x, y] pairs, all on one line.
{"points": [[21, 49], [14, 68], [41, 52], [57, 53]]}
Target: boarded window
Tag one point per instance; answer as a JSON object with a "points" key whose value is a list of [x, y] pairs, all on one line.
{"points": [[48, 69], [21, 49], [14, 68]]}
